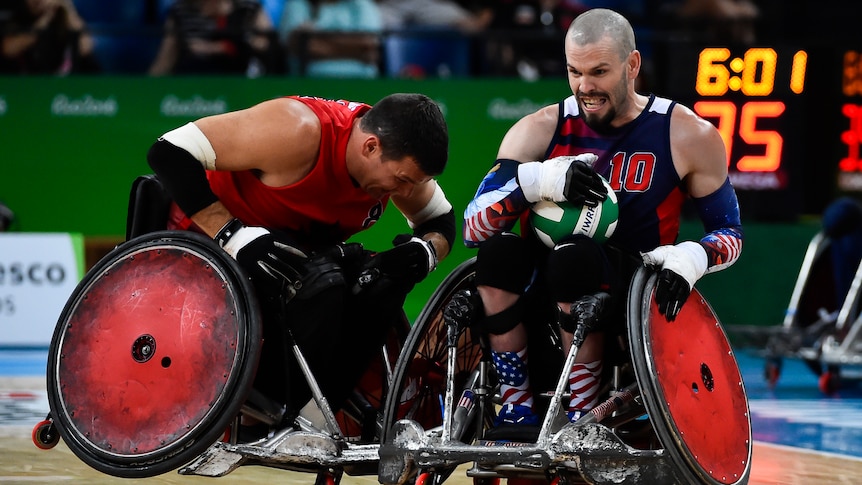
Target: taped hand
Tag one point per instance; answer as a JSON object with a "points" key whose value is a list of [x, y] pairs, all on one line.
{"points": [[275, 266], [680, 268], [562, 178]]}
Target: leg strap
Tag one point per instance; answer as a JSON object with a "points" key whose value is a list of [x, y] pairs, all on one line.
{"points": [[504, 321]]}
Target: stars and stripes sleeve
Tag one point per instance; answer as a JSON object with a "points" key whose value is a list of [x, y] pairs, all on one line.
{"points": [[497, 205], [719, 212]]}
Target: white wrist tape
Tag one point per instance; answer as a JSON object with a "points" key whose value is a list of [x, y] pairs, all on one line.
{"points": [[436, 207], [544, 180], [242, 237], [191, 139], [687, 259], [430, 252]]}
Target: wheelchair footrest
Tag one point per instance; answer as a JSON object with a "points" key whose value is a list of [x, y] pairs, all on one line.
{"points": [[216, 461], [297, 450], [591, 451]]}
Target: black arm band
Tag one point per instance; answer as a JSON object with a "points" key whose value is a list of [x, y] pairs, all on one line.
{"points": [[443, 225], [182, 175]]}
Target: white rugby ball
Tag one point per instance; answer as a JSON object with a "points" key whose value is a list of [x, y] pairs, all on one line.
{"points": [[552, 222]]}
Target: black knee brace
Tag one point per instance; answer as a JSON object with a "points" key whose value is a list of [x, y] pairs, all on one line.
{"points": [[576, 268], [505, 261], [502, 322]]}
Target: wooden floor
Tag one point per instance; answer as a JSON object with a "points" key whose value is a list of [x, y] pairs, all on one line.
{"points": [[23, 463]]}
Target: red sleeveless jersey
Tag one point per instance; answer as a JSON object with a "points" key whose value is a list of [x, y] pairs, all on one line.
{"points": [[326, 206]]}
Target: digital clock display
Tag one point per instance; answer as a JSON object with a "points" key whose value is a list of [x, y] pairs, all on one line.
{"points": [[850, 165], [790, 117]]}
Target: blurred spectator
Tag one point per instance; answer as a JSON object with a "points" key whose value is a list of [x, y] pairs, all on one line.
{"points": [[44, 37], [437, 38], [274, 8], [6, 217], [401, 14], [332, 38], [842, 223], [217, 37], [526, 37], [716, 20]]}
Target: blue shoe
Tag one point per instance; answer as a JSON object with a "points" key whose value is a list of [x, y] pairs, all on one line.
{"points": [[516, 414], [576, 414]]}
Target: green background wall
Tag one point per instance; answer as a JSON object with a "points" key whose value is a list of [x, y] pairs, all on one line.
{"points": [[71, 148]]}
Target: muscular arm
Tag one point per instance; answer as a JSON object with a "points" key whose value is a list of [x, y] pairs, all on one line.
{"points": [[251, 139], [416, 209], [499, 201], [701, 161]]}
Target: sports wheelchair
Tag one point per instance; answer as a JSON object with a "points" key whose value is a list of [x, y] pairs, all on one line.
{"points": [[819, 328], [152, 363], [677, 412]]}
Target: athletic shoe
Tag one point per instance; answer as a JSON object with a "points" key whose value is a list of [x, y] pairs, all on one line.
{"points": [[516, 414], [576, 414]]}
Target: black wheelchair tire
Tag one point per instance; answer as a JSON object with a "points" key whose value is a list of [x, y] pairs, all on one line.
{"points": [[427, 341], [237, 379]]}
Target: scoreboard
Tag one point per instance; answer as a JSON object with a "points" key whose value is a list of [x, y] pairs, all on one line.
{"points": [[850, 164], [790, 117]]}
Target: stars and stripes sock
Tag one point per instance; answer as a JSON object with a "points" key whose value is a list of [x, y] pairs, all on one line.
{"points": [[584, 385], [514, 377]]}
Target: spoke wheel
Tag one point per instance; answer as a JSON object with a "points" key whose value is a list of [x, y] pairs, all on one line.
{"points": [[419, 381]]}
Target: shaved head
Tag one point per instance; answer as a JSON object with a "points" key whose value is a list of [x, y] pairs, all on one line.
{"points": [[593, 25]]}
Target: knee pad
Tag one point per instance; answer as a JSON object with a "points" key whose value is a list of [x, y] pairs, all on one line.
{"points": [[505, 261], [504, 321], [575, 268]]}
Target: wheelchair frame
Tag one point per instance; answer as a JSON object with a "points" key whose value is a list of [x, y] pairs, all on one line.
{"points": [[827, 339], [593, 450], [421, 432]]}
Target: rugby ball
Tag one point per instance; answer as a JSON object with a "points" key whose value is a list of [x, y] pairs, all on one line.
{"points": [[553, 222]]}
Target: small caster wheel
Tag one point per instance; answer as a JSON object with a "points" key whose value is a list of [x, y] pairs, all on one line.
{"points": [[772, 372], [45, 435], [328, 477], [424, 478], [829, 381]]}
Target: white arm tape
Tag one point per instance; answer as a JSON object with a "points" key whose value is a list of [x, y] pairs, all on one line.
{"points": [[191, 139], [436, 207], [544, 180]]}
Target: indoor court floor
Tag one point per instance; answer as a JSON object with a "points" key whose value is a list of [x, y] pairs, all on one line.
{"points": [[801, 435]]}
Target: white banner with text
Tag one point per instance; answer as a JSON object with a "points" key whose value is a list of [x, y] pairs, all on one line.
{"points": [[38, 273]]}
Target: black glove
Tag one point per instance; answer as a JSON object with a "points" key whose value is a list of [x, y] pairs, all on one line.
{"points": [[274, 264], [671, 292], [410, 260], [583, 185], [325, 268]]}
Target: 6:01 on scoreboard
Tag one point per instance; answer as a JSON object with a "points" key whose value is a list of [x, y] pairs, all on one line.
{"points": [[752, 96]]}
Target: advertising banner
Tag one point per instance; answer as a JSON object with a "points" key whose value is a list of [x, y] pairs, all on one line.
{"points": [[38, 273]]}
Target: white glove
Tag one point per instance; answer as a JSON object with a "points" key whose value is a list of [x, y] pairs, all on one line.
{"points": [[687, 259], [274, 265], [680, 267], [233, 242], [547, 180]]}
